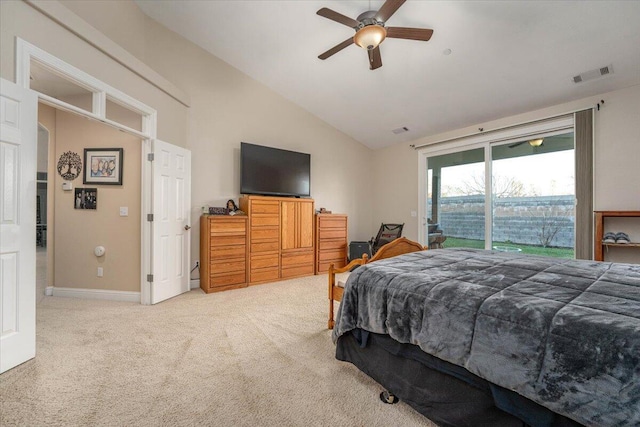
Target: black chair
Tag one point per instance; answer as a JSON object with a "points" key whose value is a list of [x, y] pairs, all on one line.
{"points": [[387, 233]]}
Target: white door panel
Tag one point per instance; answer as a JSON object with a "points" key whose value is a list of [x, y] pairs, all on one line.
{"points": [[18, 135], [171, 228]]}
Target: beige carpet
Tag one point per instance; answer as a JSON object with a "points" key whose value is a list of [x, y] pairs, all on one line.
{"points": [[259, 356]]}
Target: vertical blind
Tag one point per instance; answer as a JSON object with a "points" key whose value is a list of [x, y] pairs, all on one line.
{"points": [[583, 122]]}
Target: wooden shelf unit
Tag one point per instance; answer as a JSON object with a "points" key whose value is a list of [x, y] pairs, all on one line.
{"points": [[331, 241], [223, 252], [599, 217]]}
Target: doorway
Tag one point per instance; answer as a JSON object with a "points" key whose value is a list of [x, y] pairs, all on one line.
{"points": [[111, 220]]}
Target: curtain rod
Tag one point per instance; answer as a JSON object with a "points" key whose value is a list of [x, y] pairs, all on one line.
{"points": [[481, 131]]}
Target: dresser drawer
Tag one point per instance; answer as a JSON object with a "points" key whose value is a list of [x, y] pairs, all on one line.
{"points": [[323, 266], [331, 233], [228, 241], [332, 254], [262, 275], [265, 207], [265, 247], [265, 220], [301, 270], [297, 258], [264, 261], [227, 279], [264, 233], [222, 266], [228, 226], [228, 251], [329, 245], [333, 222]]}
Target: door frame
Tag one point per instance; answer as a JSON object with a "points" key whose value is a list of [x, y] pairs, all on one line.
{"points": [[27, 52]]}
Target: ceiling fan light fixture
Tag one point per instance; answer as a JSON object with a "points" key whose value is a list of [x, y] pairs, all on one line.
{"points": [[536, 142], [370, 36]]}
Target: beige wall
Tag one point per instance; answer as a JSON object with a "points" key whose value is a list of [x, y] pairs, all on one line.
{"points": [[617, 155], [78, 232]]}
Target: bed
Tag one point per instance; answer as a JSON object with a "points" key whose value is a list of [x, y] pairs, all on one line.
{"points": [[399, 246], [474, 337]]}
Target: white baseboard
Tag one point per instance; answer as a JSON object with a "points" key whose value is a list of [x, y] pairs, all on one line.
{"points": [[95, 294], [48, 291], [195, 283]]}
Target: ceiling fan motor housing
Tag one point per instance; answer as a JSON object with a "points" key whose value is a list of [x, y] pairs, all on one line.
{"points": [[368, 18]]}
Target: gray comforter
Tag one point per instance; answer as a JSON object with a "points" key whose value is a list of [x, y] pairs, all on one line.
{"points": [[563, 333]]}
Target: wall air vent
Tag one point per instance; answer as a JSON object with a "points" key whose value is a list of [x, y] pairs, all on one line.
{"points": [[403, 129], [593, 74]]}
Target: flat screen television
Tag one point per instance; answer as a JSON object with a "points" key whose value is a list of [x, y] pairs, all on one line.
{"points": [[274, 172]]}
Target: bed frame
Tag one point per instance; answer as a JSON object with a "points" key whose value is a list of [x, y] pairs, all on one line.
{"points": [[397, 247]]}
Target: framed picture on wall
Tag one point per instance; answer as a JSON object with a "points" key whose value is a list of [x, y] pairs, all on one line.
{"points": [[103, 166], [86, 198]]}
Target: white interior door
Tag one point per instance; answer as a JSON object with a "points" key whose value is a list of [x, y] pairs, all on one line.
{"points": [[18, 138], [171, 228]]}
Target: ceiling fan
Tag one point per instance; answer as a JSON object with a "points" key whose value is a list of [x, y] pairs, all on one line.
{"points": [[371, 31]]}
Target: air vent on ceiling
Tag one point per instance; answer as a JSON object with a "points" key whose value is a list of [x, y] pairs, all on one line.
{"points": [[593, 74], [403, 129]]}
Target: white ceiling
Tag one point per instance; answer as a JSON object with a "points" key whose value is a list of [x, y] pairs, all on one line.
{"points": [[507, 57]]}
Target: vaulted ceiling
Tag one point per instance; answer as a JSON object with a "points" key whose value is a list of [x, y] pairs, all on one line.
{"points": [[506, 57]]}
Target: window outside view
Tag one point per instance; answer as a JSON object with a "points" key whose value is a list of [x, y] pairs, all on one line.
{"points": [[533, 207]]}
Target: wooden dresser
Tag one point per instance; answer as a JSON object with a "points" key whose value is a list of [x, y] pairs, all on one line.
{"points": [[223, 252], [281, 243], [331, 241]]}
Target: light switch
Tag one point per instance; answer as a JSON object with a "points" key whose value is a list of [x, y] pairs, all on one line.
{"points": [[124, 211], [414, 214]]}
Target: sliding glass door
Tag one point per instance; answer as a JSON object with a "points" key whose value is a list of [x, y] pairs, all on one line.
{"points": [[533, 196], [508, 196], [456, 200]]}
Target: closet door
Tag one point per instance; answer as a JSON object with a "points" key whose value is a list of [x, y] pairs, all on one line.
{"points": [[305, 225], [288, 225]]}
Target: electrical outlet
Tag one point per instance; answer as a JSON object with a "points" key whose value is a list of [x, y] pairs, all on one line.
{"points": [[100, 272]]}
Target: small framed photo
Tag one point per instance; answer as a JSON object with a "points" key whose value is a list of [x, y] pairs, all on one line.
{"points": [[86, 198], [103, 166]]}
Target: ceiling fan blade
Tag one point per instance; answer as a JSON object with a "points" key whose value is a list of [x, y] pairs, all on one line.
{"points": [[517, 144], [337, 48], [375, 60], [338, 17], [388, 9], [421, 34]]}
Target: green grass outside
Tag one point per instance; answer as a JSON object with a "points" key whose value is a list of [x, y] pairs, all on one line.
{"points": [[454, 242]]}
